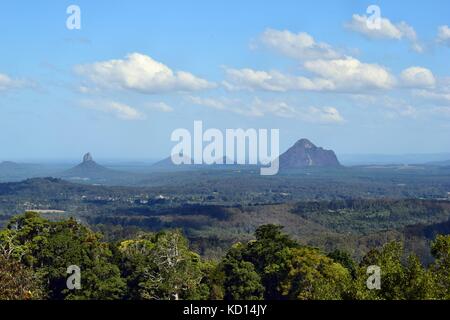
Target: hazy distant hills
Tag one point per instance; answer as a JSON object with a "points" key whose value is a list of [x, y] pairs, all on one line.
{"points": [[168, 165], [12, 171], [399, 159], [39, 187], [440, 163], [304, 154]]}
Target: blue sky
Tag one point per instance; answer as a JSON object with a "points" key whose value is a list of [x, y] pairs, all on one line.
{"points": [[137, 70]]}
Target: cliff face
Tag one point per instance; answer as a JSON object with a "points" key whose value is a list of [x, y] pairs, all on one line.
{"points": [[305, 154]]}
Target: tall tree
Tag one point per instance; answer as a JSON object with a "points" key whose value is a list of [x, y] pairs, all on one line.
{"points": [[161, 267]]}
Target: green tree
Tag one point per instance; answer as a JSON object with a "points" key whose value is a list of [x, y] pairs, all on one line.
{"points": [[345, 259], [440, 249], [399, 280], [268, 254], [161, 267], [51, 247], [18, 282], [419, 282], [314, 276], [241, 281]]}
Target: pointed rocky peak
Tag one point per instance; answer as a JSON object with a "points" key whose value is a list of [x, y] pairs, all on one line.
{"points": [[87, 157], [304, 153]]}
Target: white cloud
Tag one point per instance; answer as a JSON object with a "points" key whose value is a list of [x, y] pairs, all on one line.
{"points": [[340, 75], [440, 94], [139, 72], [323, 115], [259, 108], [441, 111], [227, 104], [440, 97], [159, 106], [387, 30], [214, 103], [351, 74], [272, 81], [444, 35], [417, 77], [119, 110], [8, 83], [391, 107], [299, 46]]}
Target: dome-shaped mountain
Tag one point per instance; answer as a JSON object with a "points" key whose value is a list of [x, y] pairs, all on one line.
{"points": [[305, 154]]}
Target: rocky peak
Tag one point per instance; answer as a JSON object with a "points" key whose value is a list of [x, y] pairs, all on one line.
{"points": [[305, 143], [304, 153], [87, 157]]}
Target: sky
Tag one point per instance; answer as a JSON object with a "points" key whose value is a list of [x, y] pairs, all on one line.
{"points": [[135, 71]]}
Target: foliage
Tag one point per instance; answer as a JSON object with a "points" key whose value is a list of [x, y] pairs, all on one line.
{"points": [[18, 282], [161, 267], [35, 254], [51, 247]]}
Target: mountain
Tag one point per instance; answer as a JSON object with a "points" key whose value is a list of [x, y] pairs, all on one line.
{"points": [[305, 154], [12, 171], [167, 165], [89, 170], [9, 165]]}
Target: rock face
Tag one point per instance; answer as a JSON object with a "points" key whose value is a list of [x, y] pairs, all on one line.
{"points": [[87, 157], [305, 154]]}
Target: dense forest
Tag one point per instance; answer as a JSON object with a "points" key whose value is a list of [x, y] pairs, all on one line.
{"points": [[35, 254]]}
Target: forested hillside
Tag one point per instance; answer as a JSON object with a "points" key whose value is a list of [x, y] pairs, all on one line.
{"points": [[35, 254]]}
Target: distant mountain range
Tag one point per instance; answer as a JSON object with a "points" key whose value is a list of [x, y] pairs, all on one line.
{"points": [[304, 154], [167, 164], [391, 159], [12, 171]]}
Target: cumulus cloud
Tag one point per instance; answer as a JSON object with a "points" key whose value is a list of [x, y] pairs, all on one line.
{"points": [[387, 30], [339, 75], [272, 81], [297, 45], [117, 109], [351, 74], [259, 108], [417, 77], [141, 73], [444, 35]]}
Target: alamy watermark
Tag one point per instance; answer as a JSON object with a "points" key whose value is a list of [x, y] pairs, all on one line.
{"points": [[74, 280], [374, 19], [236, 146], [374, 279], [73, 22]]}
